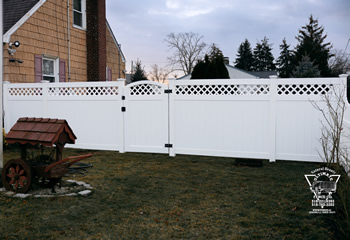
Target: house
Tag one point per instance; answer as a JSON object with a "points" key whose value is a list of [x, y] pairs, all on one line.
{"points": [[39, 44], [236, 73]]}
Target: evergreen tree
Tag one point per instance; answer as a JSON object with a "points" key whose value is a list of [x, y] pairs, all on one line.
{"points": [[139, 73], [213, 66], [312, 43], [263, 58], [284, 61], [306, 69], [244, 58], [199, 70]]}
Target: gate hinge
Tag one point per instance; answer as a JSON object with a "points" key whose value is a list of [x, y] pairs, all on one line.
{"points": [[168, 145], [123, 109], [168, 91], [123, 97]]}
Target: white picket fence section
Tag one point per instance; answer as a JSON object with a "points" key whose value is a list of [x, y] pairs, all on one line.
{"points": [[249, 118]]}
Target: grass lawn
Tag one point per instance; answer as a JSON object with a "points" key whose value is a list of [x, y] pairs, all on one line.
{"points": [[153, 196]]}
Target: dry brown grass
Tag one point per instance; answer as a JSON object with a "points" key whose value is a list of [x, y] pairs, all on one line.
{"points": [[153, 196]]}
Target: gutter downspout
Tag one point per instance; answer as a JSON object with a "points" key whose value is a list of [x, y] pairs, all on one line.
{"points": [[119, 67], [68, 39]]}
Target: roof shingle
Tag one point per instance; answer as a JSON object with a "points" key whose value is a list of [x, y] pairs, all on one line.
{"points": [[43, 131], [14, 10]]}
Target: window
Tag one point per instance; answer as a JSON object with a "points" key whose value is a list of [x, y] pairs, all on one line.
{"points": [[79, 13], [49, 70], [108, 74]]}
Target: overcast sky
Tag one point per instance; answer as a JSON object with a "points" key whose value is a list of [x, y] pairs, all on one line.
{"points": [[141, 26]]}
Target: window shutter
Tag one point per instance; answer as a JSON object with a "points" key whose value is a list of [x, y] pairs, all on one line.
{"points": [[62, 70], [38, 65], [109, 74]]}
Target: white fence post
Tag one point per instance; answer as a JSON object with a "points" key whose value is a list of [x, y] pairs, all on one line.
{"points": [[272, 118], [343, 82], [171, 117], [121, 87], [45, 92]]}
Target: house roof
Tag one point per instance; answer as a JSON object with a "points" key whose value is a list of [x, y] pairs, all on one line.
{"points": [[234, 73], [116, 42], [43, 131], [14, 10], [264, 74], [239, 73]]}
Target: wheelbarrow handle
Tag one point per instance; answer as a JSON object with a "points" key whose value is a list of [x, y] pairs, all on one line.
{"points": [[76, 159]]}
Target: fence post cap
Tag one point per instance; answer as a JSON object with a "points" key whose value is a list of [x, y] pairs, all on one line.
{"points": [[344, 75]]}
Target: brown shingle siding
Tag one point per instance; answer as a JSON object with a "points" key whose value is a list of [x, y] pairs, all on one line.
{"points": [[45, 33]]}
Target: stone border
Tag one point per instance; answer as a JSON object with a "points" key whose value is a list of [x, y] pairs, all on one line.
{"points": [[85, 190]]}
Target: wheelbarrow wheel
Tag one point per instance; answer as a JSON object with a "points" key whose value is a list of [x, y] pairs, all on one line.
{"points": [[17, 176]]}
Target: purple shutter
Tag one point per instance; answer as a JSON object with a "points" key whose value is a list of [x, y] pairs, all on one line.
{"points": [[38, 65], [109, 74], [62, 70]]}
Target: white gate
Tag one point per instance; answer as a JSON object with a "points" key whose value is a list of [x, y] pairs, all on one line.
{"points": [[145, 113]]}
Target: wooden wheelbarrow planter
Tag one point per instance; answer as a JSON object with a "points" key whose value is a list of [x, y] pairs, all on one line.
{"points": [[18, 175]]}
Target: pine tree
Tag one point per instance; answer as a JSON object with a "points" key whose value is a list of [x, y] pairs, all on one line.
{"points": [[284, 61], [263, 58], [244, 58], [312, 43], [306, 69], [213, 66], [199, 70], [139, 72]]}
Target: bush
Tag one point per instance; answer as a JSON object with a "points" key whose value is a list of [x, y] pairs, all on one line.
{"points": [[341, 224]]}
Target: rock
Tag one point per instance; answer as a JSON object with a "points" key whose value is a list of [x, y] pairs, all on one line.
{"points": [[71, 181], [81, 183], [2, 189], [44, 196], [10, 194], [85, 193], [22, 195], [69, 195]]}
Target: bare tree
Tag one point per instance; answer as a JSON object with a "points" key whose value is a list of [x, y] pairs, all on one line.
{"points": [[188, 49], [158, 74], [332, 133], [339, 63]]}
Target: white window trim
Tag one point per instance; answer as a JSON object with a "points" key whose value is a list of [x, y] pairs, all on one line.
{"points": [[83, 12], [55, 69]]}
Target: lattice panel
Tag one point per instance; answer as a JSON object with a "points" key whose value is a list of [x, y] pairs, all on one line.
{"points": [[83, 91], [146, 89], [25, 92], [303, 89], [222, 90]]}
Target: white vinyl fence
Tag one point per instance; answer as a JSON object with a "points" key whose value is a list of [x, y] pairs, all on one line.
{"points": [[249, 118]]}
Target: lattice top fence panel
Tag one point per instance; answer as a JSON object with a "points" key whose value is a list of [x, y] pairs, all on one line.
{"points": [[145, 89], [84, 91], [222, 90], [24, 92], [304, 89]]}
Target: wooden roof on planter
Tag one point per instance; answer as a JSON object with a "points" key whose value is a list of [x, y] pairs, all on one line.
{"points": [[44, 131]]}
